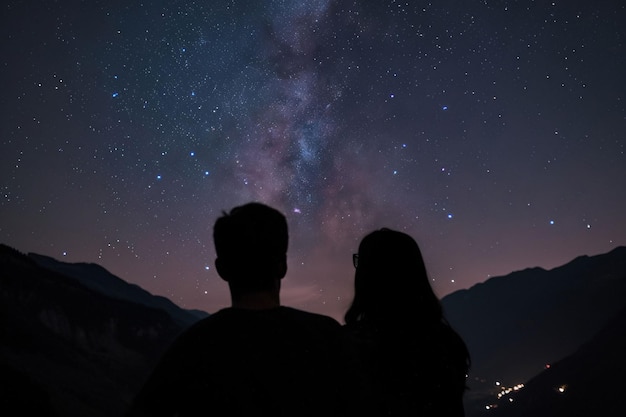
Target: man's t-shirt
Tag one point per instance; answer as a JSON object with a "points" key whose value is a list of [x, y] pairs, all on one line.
{"points": [[237, 362]]}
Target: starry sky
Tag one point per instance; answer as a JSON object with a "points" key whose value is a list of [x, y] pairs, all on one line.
{"points": [[493, 132]]}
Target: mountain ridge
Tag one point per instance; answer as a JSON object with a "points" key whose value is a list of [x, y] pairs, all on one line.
{"points": [[86, 352], [595, 370], [99, 278], [537, 316]]}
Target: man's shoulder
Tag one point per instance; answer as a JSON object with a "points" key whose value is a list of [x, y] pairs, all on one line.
{"points": [[211, 323], [309, 317], [250, 322]]}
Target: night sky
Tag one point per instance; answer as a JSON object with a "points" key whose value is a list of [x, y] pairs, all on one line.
{"points": [[493, 132]]}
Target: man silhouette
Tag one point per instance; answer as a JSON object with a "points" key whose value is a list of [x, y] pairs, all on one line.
{"points": [[255, 358]]}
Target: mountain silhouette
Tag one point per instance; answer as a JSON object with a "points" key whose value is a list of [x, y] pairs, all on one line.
{"points": [[589, 382], [99, 279], [517, 324], [70, 349]]}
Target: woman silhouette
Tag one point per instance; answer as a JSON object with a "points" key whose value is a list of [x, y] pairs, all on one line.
{"points": [[415, 362]]}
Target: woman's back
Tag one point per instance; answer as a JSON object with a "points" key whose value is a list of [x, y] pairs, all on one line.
{"points": [[412, 371]]}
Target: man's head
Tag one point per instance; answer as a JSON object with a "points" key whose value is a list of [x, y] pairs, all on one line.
{"points": [[251, 245]]}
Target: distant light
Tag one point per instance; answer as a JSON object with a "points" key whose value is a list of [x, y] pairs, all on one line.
{"points": [[297, 210], [158, 177], [551, 222], [207, 267], [450, 215], [115, 94], [498, 383], [192, 153], [444, 107]]}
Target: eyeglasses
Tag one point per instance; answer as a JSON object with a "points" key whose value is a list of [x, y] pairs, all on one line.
{"points": [[355, 260]]}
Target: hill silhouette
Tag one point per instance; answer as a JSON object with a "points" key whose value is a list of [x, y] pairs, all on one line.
{"points": [[70, 349], [516, 324], [99, 279], [589, 382]]}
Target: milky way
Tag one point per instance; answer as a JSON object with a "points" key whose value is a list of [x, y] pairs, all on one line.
{"points": [[491, 131]]}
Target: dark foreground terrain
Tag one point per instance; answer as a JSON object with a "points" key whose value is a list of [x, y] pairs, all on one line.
{"points": [[75, 340]]}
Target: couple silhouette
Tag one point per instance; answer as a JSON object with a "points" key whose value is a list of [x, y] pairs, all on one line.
{"points": [[395, 356]]}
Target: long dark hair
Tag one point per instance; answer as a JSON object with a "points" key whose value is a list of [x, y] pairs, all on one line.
{"points": [[392, 289], [391, 283]]}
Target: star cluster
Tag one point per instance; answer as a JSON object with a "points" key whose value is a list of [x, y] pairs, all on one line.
{"points": [[491, 131]]}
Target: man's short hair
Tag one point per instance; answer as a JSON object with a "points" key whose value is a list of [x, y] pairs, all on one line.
{"points": [[251, 239]]}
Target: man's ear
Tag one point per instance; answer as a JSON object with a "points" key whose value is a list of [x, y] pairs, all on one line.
{"points": [[222, 269], [281, 268]]}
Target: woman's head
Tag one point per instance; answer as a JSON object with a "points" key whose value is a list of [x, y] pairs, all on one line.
{"points": [[391, 282]]}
